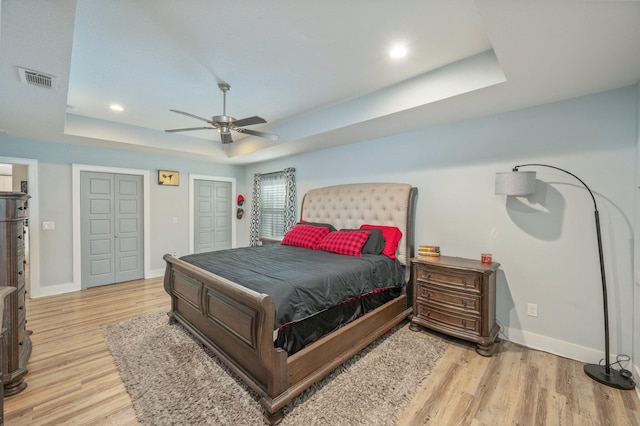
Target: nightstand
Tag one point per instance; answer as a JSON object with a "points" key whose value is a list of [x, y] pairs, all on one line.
{"points": [[456, 296]]}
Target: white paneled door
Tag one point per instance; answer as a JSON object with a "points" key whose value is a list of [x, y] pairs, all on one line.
{"points": [[212, 215], [111, 227]]}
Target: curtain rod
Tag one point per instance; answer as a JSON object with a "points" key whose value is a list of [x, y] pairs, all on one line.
{"points": [[272, 173]]}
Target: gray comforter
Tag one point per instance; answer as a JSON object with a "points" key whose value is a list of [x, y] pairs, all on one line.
{"points": [[301, 282]]}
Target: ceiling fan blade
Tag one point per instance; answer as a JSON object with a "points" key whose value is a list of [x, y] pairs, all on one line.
{"points": [[249, 121], [257, 133], [226, 137], [188, 129], [192, 116]]}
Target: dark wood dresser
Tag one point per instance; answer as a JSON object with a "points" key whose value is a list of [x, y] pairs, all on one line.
{"points": [[16, 344], [4, 293], [456, 296]]}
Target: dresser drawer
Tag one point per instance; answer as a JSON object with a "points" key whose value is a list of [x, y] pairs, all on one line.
{"points": [[469, 303], [465, 324], [450, 278], [22, 315], [20, 236], [13, 206], [22, 298], [21, 333], [20, 271]]}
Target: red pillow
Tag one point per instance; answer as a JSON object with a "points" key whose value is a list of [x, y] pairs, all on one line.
{"points": [[305, 236], [392, 236], [349, 243]]}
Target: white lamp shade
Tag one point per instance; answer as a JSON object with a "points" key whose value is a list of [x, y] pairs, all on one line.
{"points": [[515, 183]]}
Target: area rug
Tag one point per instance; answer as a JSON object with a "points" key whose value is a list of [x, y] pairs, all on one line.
{"points": [[173, 380]]}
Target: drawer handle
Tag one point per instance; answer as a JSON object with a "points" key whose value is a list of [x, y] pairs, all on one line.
{"points": [[464, 303], [428, 295], [464, 323], [428, 314], [19, 272], [19, 237], [20, 208], [464, 282], [21, 308], [428, 276]]}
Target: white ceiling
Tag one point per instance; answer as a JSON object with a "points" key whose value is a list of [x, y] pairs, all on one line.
{"points": [[318, 72]]}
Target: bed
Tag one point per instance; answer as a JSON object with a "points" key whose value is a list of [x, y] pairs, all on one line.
{"points": [[239, 324]]}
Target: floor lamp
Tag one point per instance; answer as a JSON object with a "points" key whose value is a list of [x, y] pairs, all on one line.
{"points": [[524, 183]]}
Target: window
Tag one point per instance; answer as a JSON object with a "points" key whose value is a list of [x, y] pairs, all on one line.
{"points": [[273, 195], [273, 206]]}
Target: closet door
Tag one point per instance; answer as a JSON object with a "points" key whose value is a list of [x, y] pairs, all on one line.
{"points": [[111, 227], [129, 236], [212, 215]]}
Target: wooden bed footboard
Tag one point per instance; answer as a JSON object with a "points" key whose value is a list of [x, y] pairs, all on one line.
{"points": [[237, 325]]}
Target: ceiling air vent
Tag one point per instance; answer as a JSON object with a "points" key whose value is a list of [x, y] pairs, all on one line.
{"points": [[36, 78]]}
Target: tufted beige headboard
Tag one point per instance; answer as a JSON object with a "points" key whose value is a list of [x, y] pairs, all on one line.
{"points": [[351, 205]]}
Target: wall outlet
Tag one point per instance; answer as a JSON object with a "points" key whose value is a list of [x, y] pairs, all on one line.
{"points": [[48, 226], [532, 309], [175, 220], [174, 254]]}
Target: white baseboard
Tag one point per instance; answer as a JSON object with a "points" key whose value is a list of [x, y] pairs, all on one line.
{"points": [[43, 291], [154, 273], [554, 346], [52, 290]]}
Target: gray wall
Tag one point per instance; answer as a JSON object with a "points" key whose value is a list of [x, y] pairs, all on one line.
{"points": [[55, 199], [546, 244]]}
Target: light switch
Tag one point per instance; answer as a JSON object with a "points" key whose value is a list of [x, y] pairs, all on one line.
{"points": [[175, 219], [48, 226]]}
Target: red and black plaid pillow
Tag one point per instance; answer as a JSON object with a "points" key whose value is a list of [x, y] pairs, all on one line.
{"points": [[305, 236], [349, 243]]}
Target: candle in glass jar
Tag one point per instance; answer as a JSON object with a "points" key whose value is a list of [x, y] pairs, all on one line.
{"points": [[485, 257]]}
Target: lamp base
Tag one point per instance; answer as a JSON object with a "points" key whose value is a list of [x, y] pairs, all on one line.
{"points": [[614, 378]]}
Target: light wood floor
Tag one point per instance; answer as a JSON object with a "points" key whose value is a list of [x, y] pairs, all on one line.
{"points": [[72, 378]]}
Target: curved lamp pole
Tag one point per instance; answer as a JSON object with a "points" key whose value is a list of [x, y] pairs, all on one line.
{"points": [[523, 183]]}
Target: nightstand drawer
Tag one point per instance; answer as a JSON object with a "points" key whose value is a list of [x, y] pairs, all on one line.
{"points": [[455, 321], [452, 279], [464, 302]]}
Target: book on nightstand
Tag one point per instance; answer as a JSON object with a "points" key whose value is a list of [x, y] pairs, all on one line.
{"points": [[430, 251]]}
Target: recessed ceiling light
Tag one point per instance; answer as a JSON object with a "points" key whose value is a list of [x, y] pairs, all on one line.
{"points": [[116, 107], [398, 51]]}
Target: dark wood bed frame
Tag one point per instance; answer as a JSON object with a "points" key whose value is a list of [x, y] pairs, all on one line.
{"points": [[237, 324]]}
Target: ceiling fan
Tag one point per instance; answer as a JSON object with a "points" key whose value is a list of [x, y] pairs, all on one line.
{"points": [[224, 123]]}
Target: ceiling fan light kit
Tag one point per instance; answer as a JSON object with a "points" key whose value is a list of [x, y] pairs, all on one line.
{"points": [[224, 123]]}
